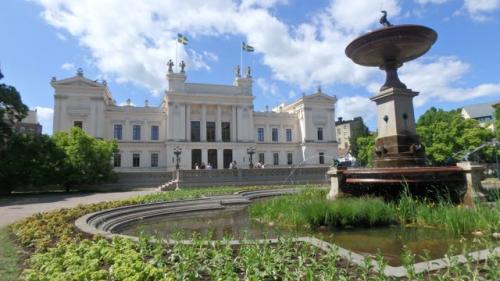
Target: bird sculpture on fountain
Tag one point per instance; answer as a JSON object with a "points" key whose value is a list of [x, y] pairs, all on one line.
{"points": [[383, 20]]}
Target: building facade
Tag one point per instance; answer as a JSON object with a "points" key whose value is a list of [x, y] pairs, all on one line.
{"points": [[344, 133], [213, 124], [29, 124], [482, 112]]}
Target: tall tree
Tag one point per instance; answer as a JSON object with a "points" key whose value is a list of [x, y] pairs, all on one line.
{"points": [[29, 160], [358, 129], [366, 146], [88, 160], [12, 110], [447, 136]]}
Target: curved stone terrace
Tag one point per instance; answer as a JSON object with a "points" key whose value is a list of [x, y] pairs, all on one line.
{"points": [[104, 222]]}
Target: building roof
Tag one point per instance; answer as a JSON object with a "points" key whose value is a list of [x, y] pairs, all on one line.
{"points": [[480, 109]]}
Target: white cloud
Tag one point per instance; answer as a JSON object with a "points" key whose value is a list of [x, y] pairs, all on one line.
{"points": [[479, 9], [440, 80], [267, 88], [45, 118], [68, 66], [134, 49], [424, 2], [357, 16], [261, 3], [61, 37], [350, 107]]}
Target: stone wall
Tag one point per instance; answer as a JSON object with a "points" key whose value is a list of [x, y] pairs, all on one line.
{"points": [[199, 178]]}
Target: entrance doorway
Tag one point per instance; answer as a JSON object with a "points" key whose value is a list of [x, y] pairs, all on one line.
{"points": [[212, 158], [195, 157], [228, 157]]}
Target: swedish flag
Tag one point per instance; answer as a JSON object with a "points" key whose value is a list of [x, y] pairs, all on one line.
{"points": [[247, 47], [182, 39]]}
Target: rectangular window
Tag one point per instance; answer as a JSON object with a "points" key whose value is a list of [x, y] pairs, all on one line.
{"points": [[118, 130], [226, 131], [155, 133], [320, 134], [261, 158], [322, 158], [117, 160], [260, 134], [289, 158], [154, 159], [195, 131], [210, 131], [136, 160], [276, 158], [136, 132], [288, 134], [78, 124], [274, 134]]}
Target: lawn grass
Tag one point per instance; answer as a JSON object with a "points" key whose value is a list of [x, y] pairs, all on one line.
{"points": [[9, 258]]}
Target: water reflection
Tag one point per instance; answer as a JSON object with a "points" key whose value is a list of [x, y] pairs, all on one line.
{"points": [[235, 222]]}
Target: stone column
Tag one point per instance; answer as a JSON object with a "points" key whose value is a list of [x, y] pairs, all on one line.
{"points": [[218, 128], [336, 181], [472, 173], [204, 156], [220, 159], [188, 122], [233, 125], [203, 123]]}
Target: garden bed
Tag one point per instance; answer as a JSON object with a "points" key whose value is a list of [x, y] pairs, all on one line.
{"points": [[58, 251]]}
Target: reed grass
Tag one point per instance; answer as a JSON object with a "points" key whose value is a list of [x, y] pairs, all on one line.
{"points": [[311, 209]]}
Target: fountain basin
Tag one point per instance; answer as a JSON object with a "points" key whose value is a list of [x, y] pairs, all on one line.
{"points": [[390, 182], [399, 44]]}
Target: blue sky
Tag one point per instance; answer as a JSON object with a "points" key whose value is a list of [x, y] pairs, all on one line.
{"points": [[299, 46]]}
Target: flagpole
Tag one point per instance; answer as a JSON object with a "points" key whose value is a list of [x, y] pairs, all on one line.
{"points": [[176, 64]]}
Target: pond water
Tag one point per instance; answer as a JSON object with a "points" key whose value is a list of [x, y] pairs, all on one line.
{"points": [[235, 222]]}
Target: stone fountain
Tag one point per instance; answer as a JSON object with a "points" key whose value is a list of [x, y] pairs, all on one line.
{"points": [[399, 156]]}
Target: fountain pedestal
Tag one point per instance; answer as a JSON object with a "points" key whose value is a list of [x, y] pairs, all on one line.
{"points": [[397, 143]]}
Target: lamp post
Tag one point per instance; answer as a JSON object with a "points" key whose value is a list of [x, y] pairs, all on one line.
{"points": [[177, 152], [250, 151]]}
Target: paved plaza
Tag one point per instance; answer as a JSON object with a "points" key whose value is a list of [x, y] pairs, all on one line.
{"points": [[18, 207]]}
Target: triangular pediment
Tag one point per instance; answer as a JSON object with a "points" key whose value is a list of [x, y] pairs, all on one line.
{"points": [[320, 98], [77, 81]]}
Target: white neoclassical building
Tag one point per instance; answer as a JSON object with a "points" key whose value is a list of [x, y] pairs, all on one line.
{"points": [[213, 124]]}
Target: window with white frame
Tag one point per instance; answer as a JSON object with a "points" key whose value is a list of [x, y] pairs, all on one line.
{"points": [[154, 159], [274, 134], [118, 131], [289, 158], [136, 132], [155, 132], [136, 160], [260, 134], [262, 157], [276, 158], [288, 134]]}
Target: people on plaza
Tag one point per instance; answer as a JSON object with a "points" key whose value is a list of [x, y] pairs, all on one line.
{"points": [[209, 166], [233, 165], [196, 166], [202, 166]]}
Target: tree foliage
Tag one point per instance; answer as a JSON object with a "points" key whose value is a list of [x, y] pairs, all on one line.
{"points": [[447, 136], [67, 158], [358, 129], [366, 147], [87, 160], [497, 122], [12, 110], [30, 159]]}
